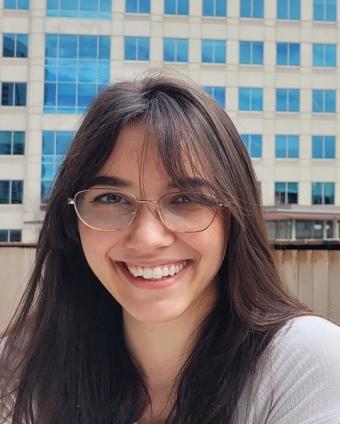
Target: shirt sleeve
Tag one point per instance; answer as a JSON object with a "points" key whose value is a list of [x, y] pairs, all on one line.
{"points": [[304, 373]]}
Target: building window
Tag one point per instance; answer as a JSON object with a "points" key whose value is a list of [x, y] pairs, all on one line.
{"points": [[323, 193], [324, 101], [250, 98], [137, 48], [214, 51], [16, 4], [288, 9], [176, 7], [12, 143], [137, 6], [251, 8], [286, 193], [323, 147], [251, 52], [253, 144], [11, 191], [10, 235], [280, 229], [214, 7], [288, 54], [287, 100], [314, 229], [175, 49], [77, 68], [54, 147], [324, 10], [217, 93], [94, 9], [13, 94], [287, 146], [324, 55], [15, 45]]}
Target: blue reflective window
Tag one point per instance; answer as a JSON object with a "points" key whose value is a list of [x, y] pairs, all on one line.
{"points": [[214, 7], [287, 146], [324, 10], [214, 51], [136, 48], [16, 4], [323, 193], [286, 193], [251, 8], [175, 49], [251, 52], [288, 54], [176, 7], [13, 94], [76, 69], [10, 235], [287, 100], [12, 143], [288, 9], [15, 45], [323, 147], [253, 143], [218, 93], [54, 147], [324, 55], [90, 9], [11, 191], [137, 6], [250, 98], [324, 101]]}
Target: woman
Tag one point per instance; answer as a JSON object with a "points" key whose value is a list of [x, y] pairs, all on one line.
{"points": [[154, 297]]}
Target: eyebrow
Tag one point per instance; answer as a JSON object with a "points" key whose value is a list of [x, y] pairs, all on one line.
{"points": [[105, 180], [192, 183]]}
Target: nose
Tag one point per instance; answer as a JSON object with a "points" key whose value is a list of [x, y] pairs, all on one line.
{"points": [[147, 232]]}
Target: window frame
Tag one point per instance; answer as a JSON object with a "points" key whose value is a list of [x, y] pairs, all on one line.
{"points": [[323, 139], [253, 143], [290, 105], [244, 4], [212, 51], [177, 5], [139, 7], [11, 191], [289, 152], [14, 85], [251, 45], [138, 48], [324, 55], [289, 54], [214, 8], [289, 8], [211, 90], [324, 93], [326, 5], [13, 142], [251, 95], [286, 193], [16, 42], [323, 185]]}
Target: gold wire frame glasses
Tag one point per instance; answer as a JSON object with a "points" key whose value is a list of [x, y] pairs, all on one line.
{"points": [[105, 209]]}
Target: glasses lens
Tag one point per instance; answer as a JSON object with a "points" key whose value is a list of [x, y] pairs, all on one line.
{"points": [[105, 209], [188, 212]]}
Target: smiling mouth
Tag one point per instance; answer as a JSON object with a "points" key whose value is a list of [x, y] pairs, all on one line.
{"points": [[156, 273]]}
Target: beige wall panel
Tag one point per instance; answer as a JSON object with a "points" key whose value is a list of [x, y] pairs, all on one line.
{"points": [[320, 281]]}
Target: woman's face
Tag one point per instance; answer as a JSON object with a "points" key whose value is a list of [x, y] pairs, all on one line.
{"points": [[148, 244]]}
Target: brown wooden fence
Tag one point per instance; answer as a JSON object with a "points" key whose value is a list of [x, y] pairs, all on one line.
{"points": [[311, 271]]}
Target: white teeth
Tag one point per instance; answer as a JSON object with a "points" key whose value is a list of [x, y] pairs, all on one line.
{"points": [[156, 273]]}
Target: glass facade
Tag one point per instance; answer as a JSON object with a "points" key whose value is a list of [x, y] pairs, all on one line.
{"points": [[251, 52], [137, 6], [323, 193], [324, 101], [324, 55], [16, 4], [176, 7], [287, 100], [10, 235], [13, 93], [214, 51], [288, 9], [77, 68], [54, 147], [324, 10], [175, 49], [12, 143], [323, 147], [214, 8], [287, 146], [217, 93], [11, 191], [253, 143], [91, 9], [251, 8], [280, 229], [288, 54], [250, 99], [136, 48], [15, 45], [286, 193]]}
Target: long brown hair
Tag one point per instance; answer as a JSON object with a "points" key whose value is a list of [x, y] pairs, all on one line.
{"points": [[65, 359]]}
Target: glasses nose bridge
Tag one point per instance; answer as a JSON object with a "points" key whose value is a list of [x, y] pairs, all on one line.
{"points": [[146, 202]]}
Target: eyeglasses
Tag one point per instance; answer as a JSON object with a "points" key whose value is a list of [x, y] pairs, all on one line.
{"points": [[106, 209]]}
